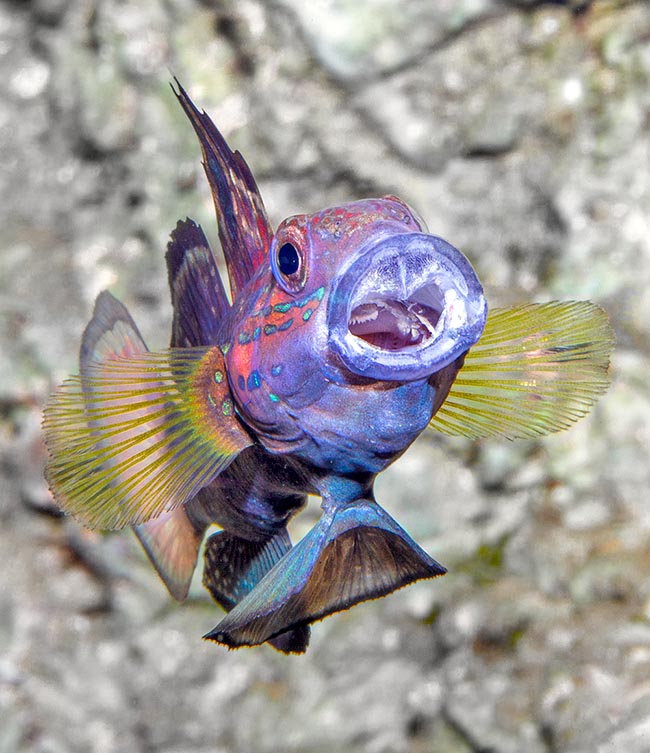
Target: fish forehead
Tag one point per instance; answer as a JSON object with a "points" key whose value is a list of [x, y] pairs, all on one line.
{"points": [[354, 221], [326, 238]]}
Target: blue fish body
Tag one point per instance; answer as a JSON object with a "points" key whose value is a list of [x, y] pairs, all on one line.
{"points": [[344, 339], [305, 383], [327, 412]]}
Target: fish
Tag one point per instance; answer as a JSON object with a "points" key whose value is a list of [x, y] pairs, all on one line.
{"points": [[347, 333]]}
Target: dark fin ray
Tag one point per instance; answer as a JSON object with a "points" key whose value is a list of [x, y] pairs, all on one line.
{"points": [[233, 567], [199, 299], [172, 544], [244, 229], [355, 553]]}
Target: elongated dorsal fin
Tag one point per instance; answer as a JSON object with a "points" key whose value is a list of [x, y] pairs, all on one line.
{"points": [[136, 437], [199, 299], [537, 369], [244, 229]]}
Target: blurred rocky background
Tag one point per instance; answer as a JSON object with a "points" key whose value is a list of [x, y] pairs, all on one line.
{"points": [[520, 132]]}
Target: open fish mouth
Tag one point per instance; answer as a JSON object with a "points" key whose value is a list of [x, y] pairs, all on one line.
{"points": [[405, 307], [393, 325]]}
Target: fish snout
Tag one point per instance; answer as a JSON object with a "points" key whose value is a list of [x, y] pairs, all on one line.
{"points": [[405, 307]]}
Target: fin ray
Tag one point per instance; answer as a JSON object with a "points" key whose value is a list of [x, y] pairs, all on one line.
{"points": [[355, 553], [198, 297], [537, 369], [110, 333], [244, 229], [234, 566], [172, 544], [135, 437]]}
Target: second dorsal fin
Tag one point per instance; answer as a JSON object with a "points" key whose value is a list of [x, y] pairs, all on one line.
{"points": [[198, 296]]}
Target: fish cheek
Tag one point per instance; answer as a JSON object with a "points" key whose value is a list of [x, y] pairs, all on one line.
{"points": [[293, 371], [272, 377]]}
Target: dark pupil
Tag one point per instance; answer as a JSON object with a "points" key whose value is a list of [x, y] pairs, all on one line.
{"points": [[288, 259]]}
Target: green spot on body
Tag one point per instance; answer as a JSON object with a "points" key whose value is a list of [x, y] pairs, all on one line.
{"points": [[256, 333], [273, 397], [282, 308], [317, 295], [307, 314], [226, 407], [243, 338], [269, 329], [218, 376], [264, 311], [285, 325], [224, 348]]}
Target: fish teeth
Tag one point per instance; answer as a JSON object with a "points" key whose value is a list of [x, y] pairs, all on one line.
{"points": [[366, 312]]}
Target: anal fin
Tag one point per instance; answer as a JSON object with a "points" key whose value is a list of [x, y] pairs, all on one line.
{"points": [[356, 552], [172, 544], [234, 566]]}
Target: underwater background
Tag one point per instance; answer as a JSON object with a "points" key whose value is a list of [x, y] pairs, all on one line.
{"points": [[520, 132]]}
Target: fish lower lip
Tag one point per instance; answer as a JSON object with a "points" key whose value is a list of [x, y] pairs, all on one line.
{"points": [[393, 324]]}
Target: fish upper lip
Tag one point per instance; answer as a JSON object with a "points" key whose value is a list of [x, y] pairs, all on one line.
{"points": [[404, 307]]}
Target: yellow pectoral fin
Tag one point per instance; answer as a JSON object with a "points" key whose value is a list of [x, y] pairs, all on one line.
{"points": [[537, 369], [140, 435]]}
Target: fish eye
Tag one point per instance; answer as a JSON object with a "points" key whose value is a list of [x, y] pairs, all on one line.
{"points": [[289, 264], [288, 259]]}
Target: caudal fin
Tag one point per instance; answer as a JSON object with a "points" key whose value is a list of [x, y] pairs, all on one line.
{"points": [[355, 553], [234, 566]]}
